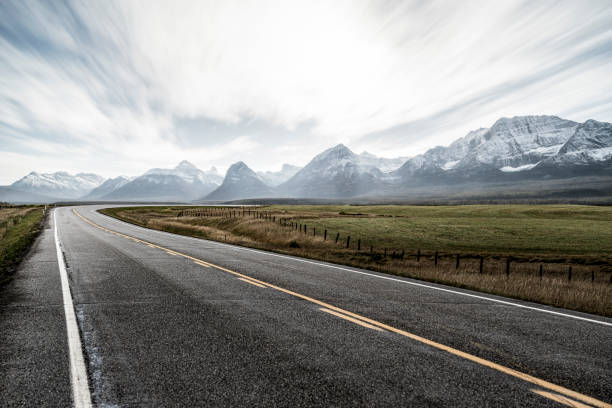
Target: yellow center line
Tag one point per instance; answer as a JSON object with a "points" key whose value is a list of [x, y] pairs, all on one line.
{"points": [[202, 264], [561, 399], [350, 319], [481, 361], [251, 282]]}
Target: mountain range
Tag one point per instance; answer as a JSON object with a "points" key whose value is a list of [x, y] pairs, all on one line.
{"points": [[524, 149]]}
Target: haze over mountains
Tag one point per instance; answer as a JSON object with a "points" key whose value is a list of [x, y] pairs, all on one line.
{"points": [[512, 151]]}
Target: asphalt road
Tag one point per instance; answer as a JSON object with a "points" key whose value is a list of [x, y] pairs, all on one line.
{"points": [[167, 320]]}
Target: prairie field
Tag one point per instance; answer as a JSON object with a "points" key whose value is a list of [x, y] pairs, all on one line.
{"points": [[559, 255]]}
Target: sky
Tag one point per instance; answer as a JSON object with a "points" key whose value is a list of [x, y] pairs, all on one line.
{"points": [[120, 87]]}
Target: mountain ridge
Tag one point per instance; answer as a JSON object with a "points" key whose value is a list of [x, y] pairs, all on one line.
{"points": [[512, 150], [240, 182]]}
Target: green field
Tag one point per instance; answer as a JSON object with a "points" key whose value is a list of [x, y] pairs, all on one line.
{"points": [[19, 226], [521, 230], [580, 234]]}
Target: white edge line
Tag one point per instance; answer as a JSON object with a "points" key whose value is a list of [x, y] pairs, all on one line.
{"points": [[78, 373], [423, 285]]}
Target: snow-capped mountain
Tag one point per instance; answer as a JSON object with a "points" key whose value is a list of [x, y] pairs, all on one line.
{"points": [[381, 163], [185, 182], [274, 178], [108, 187], [240, 182], [189, 173], [60, 184], [337, 172], [518, 147], [590, 143], [512, 151]]}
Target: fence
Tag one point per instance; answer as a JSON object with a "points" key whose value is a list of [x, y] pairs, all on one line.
{"points": [[477, 262]]}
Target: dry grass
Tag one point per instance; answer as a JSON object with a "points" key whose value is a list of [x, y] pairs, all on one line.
{"points": [[524, 281], [10, 216], [19, 226]]}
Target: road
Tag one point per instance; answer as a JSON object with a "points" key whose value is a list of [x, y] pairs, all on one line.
{"points": [[166, 320]]}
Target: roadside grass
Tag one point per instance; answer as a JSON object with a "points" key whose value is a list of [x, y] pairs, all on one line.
{"points": [[19, 226], [555, 236]]}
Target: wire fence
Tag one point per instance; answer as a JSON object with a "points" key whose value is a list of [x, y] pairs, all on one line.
{"points": [[482, 264]]}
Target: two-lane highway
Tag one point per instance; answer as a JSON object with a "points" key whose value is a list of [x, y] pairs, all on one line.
{"points": [[167, 320]]}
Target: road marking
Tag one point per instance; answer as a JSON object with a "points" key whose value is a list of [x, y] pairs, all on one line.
{"points": [[561, 399], [350, 319], [252, 282], [78, 373], [423, 285], [204, 264], [481, 361]]}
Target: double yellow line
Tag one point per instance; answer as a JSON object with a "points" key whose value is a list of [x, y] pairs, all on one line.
{"points": [[559, 394]]}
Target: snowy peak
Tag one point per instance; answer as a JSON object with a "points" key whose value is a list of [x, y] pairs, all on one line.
{"points": [[521, 125], [59, 184], [107, 187], [336, 172], [240, 182], [185, 165], [591, 135], [239, 172], [184, 182], [188, 172], [591, 143], [520, 141], [513, 145], [337, 154], [383, 164], [274, 178]]}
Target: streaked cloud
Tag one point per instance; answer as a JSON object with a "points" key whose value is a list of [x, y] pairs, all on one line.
{"points": [[118, 87]]}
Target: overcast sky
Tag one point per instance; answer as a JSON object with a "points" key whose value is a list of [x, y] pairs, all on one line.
{"points": [[117, 88]]}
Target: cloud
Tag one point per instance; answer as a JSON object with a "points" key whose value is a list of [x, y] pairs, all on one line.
{"points": [[130, 84]]}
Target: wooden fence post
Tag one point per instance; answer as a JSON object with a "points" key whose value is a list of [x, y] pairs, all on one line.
{"points": [[403, 253], [325, 235], [436, 258], [348, 240], [540, 271], [457, 262], [592, 275], [314, 231], [419, 255], [337, 237], [569, 274], [359, 244], [507, 267], [480, 266]]}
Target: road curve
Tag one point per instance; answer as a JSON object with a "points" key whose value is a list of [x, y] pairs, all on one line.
{"points": [[167, 320]]}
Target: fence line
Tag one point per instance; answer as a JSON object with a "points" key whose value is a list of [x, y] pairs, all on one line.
{"points": [[299, 228]]}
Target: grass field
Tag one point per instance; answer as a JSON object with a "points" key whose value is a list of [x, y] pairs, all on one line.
{"points": [[19, 226], [554, 236]]}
